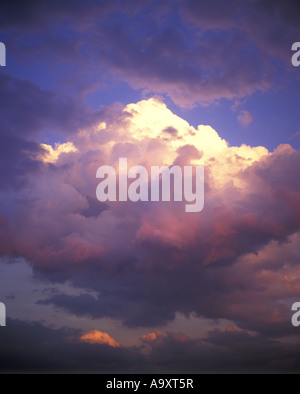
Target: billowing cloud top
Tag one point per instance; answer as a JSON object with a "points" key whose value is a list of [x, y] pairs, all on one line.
{"points": [[207, 263]]}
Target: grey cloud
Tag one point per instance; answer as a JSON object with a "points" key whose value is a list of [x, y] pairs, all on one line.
{"points": [[27, 111], [227, 52], [43, 349]]}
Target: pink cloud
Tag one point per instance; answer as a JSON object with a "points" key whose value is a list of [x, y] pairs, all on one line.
{"points": [[98, 337], [153, 258], [152, 336], [245, 118]]}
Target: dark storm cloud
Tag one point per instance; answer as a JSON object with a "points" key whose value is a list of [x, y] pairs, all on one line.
{"points": [[255, 353], [17, 158], [224, 352], [165, 62], [277, 25], [272, 25], [35, 13], [153, 297], [38, 13], [233, 53], [135, 301], [32, 347], [213, 14], [26, 111], [86, 305], [215, 50]]}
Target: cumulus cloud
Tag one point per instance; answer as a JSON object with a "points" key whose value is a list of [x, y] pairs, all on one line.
{"points": [[152, 336], [99, 337], [145, 262], [132, 248], [52, 155]]}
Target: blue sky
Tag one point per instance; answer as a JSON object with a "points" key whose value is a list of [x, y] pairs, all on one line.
{"points": [[90, 54]]}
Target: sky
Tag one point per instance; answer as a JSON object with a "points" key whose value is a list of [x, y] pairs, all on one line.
{"points": [[145, 287]]}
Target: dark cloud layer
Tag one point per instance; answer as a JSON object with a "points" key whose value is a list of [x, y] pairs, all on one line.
{"points": [[26, 109], [31, 348], [214, 50], [26, 112], [36, 14]]}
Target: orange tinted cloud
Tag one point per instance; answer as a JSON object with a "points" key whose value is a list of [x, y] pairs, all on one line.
{"points": [[152, 336], [157, 336], [178, 336], [99, 337]]}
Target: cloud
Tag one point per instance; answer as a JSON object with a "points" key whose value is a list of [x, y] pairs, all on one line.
{"points": [[26, 112], [167, 65], [99, 338], [27, 107], [38, 14], [142, 263], [245, 118], [52, 155], [222, 351], [152, 336], [192, 62], [203, 67], [215, 15], [33, 347], [275, 22]]}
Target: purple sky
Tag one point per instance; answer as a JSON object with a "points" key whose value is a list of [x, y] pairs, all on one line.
{"points": [[146, 287]]}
